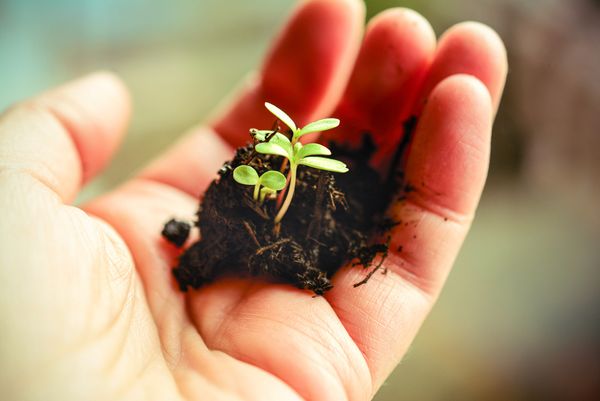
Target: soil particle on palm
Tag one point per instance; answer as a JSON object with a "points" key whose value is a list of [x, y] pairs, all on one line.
{"points": [[176, 232], [329, 223]]}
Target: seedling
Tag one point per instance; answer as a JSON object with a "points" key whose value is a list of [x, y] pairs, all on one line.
{"points": [[296, 153], [238, 235], [316, 126], [270, 181]]}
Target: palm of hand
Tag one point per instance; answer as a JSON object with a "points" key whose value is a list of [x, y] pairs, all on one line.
{"points": [[109, 322]]}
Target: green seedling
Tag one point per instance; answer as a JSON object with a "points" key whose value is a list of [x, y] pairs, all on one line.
{"points": [[266, 185], [316, 126], [298, 154], [271, 142]]}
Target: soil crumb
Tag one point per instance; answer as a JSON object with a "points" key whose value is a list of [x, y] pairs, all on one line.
{"points": [[176, 232]]}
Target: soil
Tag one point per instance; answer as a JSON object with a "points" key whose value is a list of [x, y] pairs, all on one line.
{"points": [[330, 223], [176, 232]]}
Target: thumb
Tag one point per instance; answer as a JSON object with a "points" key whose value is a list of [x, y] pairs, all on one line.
{"points": [[63, 137]]}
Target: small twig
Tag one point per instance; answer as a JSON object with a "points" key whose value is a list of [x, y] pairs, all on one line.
{"points": [[263, 249], [370, 274], [252, 235], [274, 129], [338, 196], [367, 278]]}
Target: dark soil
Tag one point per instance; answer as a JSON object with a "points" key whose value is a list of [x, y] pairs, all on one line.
{"points": [[330, 222], [176, 232]]}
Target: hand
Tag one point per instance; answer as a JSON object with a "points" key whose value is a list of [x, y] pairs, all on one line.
{"points": [[89, 309]]}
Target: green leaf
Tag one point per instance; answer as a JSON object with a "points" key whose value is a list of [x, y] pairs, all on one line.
{"points": [[245, 175], [284, 142], [322, 163], [318, 126], [312, 149], [269, 148], [266, 193], [273, 180], [281, 115], [280, 139]]}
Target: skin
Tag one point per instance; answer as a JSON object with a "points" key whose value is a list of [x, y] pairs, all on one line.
{"points": [[88, 307]]}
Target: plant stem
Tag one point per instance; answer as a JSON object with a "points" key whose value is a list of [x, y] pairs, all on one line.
{"points": [[282, 193], [290, 194], [283, 165], [256, 190], [282, 169]]}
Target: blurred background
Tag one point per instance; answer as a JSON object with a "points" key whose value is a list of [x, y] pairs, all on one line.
{"points": [[520, 316]]}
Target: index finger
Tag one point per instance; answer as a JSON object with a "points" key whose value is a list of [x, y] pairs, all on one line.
{"points": [[304, 73]]}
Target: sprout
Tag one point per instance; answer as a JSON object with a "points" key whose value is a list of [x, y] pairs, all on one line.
{"points": [[316, 126], [297, 153], [270, 181]]}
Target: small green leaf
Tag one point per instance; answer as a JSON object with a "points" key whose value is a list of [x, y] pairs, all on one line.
{"points": [[266, 193], [269, 148], [312, 149], [284, 142], [280, 139], [281, 115], [245, 175], [273, 180], [318, 126], [323, 163]]}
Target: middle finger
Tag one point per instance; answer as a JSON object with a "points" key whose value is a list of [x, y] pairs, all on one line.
{"points": [[396, 53]]}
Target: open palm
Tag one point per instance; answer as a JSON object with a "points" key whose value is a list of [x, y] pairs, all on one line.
{"points": [[88, 306]]}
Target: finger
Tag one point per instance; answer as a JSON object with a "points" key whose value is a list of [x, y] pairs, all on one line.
{"points": [[63, 137], [305, 71], [397, 50], [302, 88], [446, 172], [447, 166], [468, 48], [192, 163]]}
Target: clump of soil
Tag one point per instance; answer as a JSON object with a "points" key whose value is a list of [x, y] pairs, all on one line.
{"points": [[329, 223], [176, 232]]}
